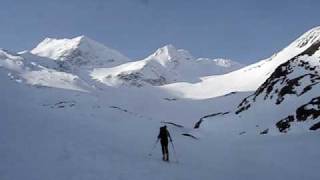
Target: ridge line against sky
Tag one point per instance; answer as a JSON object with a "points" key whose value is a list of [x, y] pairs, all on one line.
{"points": [[244, 31]]}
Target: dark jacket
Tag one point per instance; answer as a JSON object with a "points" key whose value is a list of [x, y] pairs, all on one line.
{"points": [[164, 135]]}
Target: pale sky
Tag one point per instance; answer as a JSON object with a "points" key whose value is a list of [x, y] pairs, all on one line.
{"points": [[242, 30]]}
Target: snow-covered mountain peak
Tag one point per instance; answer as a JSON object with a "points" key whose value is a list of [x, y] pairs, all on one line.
{"points": [[84, 39], [80, 50], [167, 65], [168, 50], [169, 53], [55, 48], [86, 42]]}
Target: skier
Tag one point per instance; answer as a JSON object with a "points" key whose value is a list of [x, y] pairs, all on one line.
{"points": [[163, 136]]}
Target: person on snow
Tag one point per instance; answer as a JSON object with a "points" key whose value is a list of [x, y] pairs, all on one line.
{"points": [[163, 136]]}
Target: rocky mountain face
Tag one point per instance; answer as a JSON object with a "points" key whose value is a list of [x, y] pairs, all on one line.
{"points": [[295, 84], [287, 100]]}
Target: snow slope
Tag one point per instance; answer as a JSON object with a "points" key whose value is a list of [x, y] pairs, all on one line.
{"points": [[166, 65], [248, 78]]}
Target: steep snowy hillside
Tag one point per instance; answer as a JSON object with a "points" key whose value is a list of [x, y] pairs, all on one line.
{"points": [[166, 65], [246, 79], [290, 95], [288, 101], [79, 51]]}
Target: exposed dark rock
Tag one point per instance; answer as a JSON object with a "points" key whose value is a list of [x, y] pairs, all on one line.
{"points": [[170, 99], [310, 110], [61, 104], [315, 126], [189, 135], [118, 108], [156, 82], [244, 105], [133, 78], [137, 79], [292, 84], [284, 124], [264, 131], [197, 124], [215, 114], [174, 124], [279, 84], [311, 50], [278, 75]]}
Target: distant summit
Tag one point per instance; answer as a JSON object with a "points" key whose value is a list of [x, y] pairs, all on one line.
{"points": [[169, 53], [166, 65], [80, 51]]}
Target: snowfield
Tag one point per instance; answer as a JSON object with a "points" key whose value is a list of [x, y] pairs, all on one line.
{"points": [[92, 141], [76, 109]]}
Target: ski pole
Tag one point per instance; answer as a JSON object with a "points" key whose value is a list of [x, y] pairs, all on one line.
{"points": [[174, 151], [153, 147]]}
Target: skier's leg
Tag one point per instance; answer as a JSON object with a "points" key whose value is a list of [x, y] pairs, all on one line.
{"points": [[163, 151], [167, 152]]}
